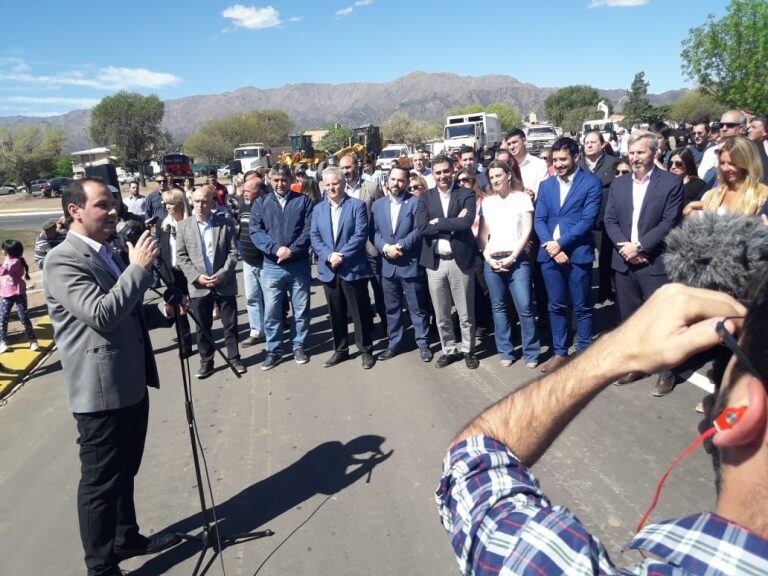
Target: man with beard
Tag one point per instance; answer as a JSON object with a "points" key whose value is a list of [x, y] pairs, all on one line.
{"points": [[567, 209], [642, 209], [394, 232]]}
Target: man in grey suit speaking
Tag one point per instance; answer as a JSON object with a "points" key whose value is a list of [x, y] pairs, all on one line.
{"points": [[101, 330], [206, 251]]}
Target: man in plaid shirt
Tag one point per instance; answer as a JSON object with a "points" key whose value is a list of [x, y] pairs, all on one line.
{"points": [[500, 522]]}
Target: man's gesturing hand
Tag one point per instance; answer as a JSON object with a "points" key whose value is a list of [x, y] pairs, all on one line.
{"points": [[144, 252], [674, 324]]}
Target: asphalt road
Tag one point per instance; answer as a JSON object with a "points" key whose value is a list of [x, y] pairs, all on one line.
{"points": [[294, 450], [27, 220]]}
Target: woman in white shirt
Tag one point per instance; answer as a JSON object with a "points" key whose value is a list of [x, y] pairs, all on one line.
{"points": [[506, 220]]}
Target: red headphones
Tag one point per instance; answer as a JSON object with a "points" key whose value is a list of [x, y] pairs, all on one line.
{"points": [[727, 420]]}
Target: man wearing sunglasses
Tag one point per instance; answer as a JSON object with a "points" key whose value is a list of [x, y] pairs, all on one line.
{"points": [[515, 529], [732, 123]]}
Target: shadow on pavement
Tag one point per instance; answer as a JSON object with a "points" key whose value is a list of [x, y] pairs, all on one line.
{"points": [[323, 470]]}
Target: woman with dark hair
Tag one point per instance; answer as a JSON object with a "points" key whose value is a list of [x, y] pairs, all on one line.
{"points": [[506, 221], [683, 164], [310, 187]]}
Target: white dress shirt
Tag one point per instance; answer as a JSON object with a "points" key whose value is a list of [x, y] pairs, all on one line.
{"points": [[443, 246], [135, 204], [639, 188], [335, 216], [394, 210], [534, 171], [565, 187]]}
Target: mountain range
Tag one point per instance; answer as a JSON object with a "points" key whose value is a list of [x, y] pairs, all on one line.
{"points": [[425, 96]]}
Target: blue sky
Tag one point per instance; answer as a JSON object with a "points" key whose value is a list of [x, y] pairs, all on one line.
{"points": [[62, 56]]}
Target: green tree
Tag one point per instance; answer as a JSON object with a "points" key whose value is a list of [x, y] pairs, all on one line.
{"points": [[509, 118], [337, 138], [695, 104], [728, 58], [403, 128], [63, 167], [579, 97], [28, 152], [130, 123], [575, 117], [637, 108], [216, 141]]}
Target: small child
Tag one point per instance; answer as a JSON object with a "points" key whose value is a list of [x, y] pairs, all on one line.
{"points": [[13, 290]]}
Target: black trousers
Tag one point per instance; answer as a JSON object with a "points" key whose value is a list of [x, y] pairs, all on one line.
{"points": [[203, 311], [352, 296], [378, 292], [111, 447], [634, 287]]}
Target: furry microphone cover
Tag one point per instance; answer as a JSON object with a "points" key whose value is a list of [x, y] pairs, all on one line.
{"points": [[716, 252]]}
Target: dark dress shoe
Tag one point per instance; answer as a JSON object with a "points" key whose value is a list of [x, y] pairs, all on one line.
{"points": [[205, 371], [446, 360], [629, 378], [471, 360], [425, 354], [387, 354], [238, 366], [151, 545], [368, 361], [664, 385], [251, 341], [337, 358], [553, 363]]}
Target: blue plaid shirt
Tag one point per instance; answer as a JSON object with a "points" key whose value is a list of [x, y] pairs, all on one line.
{"points": [[501, 523]]}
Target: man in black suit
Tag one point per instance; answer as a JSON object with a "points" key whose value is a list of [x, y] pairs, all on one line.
{"points": [[597, 162], [444, 218], [642, 208]]}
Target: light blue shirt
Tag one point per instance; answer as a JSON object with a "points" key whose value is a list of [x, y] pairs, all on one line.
{"points": [[206, 236]]}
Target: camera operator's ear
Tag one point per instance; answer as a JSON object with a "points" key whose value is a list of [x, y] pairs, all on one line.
{"points": [[750, 426]]}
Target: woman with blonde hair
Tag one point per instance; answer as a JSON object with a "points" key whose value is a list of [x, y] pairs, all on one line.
{"points": [[739, 190]]}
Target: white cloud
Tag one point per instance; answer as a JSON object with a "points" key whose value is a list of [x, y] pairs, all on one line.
{"points": [[363, 2], [15, 64], [251, 17], [54, 100], [294, 19], [344, 11], [349, 9], [109, 78], [616, 3]]}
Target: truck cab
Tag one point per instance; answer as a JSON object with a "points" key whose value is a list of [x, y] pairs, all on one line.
{"points": [[252, 156], [474, 130]]}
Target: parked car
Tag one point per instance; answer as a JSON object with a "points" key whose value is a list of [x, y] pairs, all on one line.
{"points": [[127, 178], [58, 185], [222, 172], [7, 189], [40, 186]]}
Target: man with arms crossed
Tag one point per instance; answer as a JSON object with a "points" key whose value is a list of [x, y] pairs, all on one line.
{"points": [[500, 521], [100, 327], [444, 218]]}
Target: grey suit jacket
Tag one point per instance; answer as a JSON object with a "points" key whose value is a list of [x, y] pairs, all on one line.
{"points": [[100, 328], [189, 254]]}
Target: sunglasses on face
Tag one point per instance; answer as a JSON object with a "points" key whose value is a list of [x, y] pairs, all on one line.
{"points": [[676, 164], [622, 172], [466, 180], [729, 125], [415, 187]]}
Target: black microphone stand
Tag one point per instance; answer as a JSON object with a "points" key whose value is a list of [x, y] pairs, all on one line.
{"points": [[210, 536]]}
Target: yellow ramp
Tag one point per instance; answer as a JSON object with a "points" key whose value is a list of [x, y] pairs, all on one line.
{"points": [[19, 360]]}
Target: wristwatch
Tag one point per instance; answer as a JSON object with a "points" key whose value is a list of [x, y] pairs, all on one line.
{"points": [[639, 247]]}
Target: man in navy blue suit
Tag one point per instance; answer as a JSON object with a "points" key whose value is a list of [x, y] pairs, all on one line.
{"points": [[339, 233], [396, 237], [641, 210], [567, 208]]}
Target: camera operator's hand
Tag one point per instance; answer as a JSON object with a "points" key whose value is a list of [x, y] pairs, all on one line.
{"points": [[674, 324], [144, 252]]}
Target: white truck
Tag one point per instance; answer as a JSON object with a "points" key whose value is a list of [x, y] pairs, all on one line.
{"points": [[603, 125], [390, 153], [539, 137], [474, 130], [253, 155]]}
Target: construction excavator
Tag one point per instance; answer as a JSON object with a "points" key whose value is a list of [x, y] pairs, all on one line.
{"points": [[365, 143]]}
